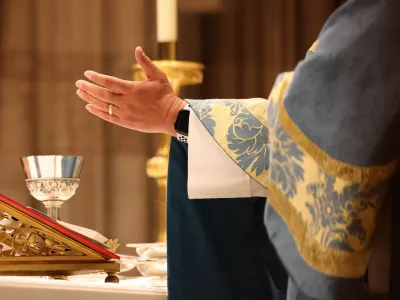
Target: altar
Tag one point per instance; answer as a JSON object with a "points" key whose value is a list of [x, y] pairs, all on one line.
{"points": [[42, 257], [79, 287]]}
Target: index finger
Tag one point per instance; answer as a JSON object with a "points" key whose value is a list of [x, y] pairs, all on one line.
{"points": [[112, 83]]}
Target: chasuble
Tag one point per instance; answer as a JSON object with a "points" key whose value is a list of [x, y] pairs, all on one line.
{"points": [[324, 146]]}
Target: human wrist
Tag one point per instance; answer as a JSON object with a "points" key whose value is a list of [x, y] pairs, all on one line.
{"points": [[175, 108]]}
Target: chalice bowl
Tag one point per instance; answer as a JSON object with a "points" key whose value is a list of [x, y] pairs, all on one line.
{"points": [[52, 179]]}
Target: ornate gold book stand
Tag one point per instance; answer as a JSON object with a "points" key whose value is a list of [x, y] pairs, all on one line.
{"points": [[32, 244]]}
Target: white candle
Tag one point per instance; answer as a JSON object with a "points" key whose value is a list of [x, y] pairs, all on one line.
{"points": [[167, 21]]}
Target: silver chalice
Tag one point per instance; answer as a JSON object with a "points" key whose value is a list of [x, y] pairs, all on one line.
{"points": [[52, 179]]}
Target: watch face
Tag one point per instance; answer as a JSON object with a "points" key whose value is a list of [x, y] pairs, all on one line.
{"points": [[184, 122]]}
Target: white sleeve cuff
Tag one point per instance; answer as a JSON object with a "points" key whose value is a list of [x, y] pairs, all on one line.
{"points": [[211, 172]]}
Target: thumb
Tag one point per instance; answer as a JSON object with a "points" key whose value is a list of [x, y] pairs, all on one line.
{"points": [[151, 70]]}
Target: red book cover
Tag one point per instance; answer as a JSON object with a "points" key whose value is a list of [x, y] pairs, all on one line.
{"points": [[60, 228]]}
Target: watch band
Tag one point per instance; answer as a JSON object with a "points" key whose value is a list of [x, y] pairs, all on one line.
{"points": [[182, 138], [181, 125]]}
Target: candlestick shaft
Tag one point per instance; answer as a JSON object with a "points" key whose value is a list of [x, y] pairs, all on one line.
{"points": [[167, 51]]}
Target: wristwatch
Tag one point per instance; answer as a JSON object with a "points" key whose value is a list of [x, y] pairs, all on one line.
{"points": [[181, 125]]}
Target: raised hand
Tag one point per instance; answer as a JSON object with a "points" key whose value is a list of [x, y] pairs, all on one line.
{"points": [[149, 106]]}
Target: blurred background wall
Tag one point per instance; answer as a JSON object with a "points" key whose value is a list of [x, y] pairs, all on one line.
{"points": [[46, 45]]}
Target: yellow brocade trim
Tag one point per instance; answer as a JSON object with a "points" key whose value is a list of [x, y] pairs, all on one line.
{"points": [[331, 217], [367, 175], [328, 261], [314, 46]]}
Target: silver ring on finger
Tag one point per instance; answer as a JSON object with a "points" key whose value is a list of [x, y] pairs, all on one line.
{"points": [[110, 109]]}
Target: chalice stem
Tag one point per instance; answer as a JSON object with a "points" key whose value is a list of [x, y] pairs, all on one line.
{"points": [[52, 212], [52, 209]]}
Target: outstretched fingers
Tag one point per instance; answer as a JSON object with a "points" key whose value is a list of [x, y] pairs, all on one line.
{"points": [[98, 92], [111, 83], [100, 105]]}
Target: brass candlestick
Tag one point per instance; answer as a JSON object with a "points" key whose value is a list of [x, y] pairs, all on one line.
{"points": [[179, 73]]}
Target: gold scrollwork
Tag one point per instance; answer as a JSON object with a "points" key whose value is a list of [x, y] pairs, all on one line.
{"points": [[17, 239]]}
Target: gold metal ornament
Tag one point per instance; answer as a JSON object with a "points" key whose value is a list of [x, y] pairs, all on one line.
{"points": [[179, 74], [29, 247]]}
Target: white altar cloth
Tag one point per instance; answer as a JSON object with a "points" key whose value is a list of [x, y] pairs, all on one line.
{"points": [[35, 288]]}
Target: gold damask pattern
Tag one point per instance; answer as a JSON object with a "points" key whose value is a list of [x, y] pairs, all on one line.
{"points": [[337, 215], [248, 138], [331, 217], [245, 137], [203, 110], [286, 157]]}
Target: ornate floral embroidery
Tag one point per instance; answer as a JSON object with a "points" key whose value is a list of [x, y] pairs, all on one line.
{"points": [[248, 138], [203, 109], [238, 131], [336, 213], [285, 158], [285, 163]]}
